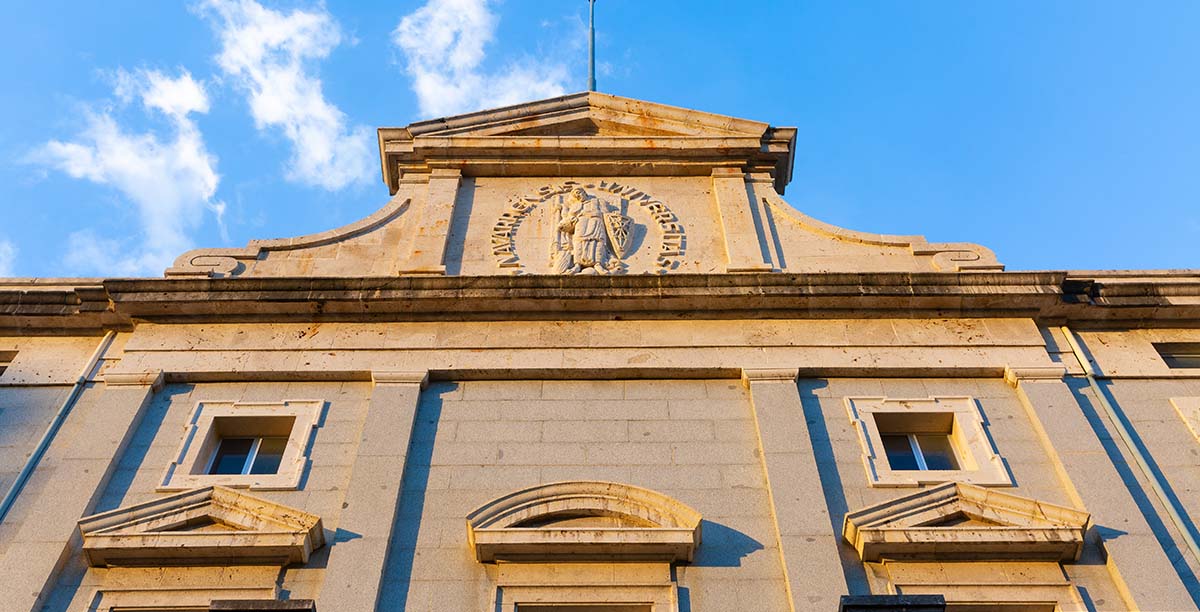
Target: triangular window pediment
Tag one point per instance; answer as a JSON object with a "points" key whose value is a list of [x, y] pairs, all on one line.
{"points": [[963, 521], [212, 525]]}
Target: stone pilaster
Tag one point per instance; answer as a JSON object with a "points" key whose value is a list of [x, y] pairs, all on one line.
{"points": [[743, 240], [69, 481], [432, 224], [1146, 577], [808, 550], [357, 561]]}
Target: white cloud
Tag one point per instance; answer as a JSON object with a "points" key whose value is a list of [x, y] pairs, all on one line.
{"points": [[8, 258], [268, 54], [444, 42], [172, 182]]}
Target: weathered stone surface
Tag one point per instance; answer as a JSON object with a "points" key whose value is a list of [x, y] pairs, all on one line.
{"points": [[611, 295]]}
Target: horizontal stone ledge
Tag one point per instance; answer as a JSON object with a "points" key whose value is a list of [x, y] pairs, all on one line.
{"points": [[573, 374]]}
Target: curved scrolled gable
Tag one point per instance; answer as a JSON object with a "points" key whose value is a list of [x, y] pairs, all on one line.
{"points": [[581, 520]]}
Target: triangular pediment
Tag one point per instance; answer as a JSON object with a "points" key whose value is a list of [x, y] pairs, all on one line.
{"points": [[589, 114], [201, 527], [963, 521]]}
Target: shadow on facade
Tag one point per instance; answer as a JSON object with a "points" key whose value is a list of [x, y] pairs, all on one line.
{"points": [[1162, 533], [831, 483], [402, 550], [135, 454]]}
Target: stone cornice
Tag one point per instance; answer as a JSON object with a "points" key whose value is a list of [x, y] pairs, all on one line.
{"points": [[1125, 299], [587, 133]]}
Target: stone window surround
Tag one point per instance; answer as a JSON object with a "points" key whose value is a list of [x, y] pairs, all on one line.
{"points": [[200, 438], [978, 461]]}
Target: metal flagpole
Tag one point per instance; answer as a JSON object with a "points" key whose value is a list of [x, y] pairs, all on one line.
{"points": [[591, 45]]}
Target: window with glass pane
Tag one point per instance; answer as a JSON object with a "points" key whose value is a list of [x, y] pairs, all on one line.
{"points": [[899, 452], [918, 441], [231, 456], [1179, 354], [248, 455], [269, 455]]}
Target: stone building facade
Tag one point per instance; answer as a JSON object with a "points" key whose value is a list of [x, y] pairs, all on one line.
{"points": [[587, 359]]}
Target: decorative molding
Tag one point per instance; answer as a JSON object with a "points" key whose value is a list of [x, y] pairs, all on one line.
{"points": [[587, 134], [210, 526], [154, 379], [260, 605], [1014, 376], [946, 256], [400, 378], [978, 461], [770, 375], [225, 262], [611, 219], [646, 587], [960, 521], [203, 433], [582, 521]]}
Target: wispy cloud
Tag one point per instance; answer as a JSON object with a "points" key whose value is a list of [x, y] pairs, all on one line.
{"points": [[171, 181], [443, 43], [8, 258], [269, 55]]}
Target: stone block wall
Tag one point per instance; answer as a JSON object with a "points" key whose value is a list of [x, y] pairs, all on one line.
{"points": [[692, 440]]}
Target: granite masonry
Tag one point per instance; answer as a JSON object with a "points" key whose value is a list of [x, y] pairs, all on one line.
{"points": [[587, 359]]}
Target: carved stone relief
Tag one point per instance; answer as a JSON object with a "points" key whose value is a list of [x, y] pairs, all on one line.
{"points": [[593, 231]]}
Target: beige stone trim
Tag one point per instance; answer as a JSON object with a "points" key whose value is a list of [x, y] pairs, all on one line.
{"points": [[225, 262], [355, 568], [1022, 585], [153, 379], [647, 586], [963, 521], [1013, 376], [945, 256], [741, 232], [400, 378], [430, 229], [769, 375], [652, 525], [210, 526], [202, 434], [1189, 410], [588, 133], [978, 461]]}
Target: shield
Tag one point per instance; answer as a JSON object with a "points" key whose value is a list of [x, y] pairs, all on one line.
{"points": [[620, 232]]}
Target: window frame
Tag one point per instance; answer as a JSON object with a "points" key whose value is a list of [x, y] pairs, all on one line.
{"points": [[976, 456], [251, 455], [206, 429], [919, 453], [1179, 355], [6, 360]]}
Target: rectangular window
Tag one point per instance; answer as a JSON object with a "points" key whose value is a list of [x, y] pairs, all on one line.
{"points": [[6, 358], [918, 441], [1179, 354], [248, 455], [260, 445]]}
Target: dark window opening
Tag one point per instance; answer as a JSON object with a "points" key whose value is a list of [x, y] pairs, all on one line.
{"points": [[918, 441], [1179, 354]]}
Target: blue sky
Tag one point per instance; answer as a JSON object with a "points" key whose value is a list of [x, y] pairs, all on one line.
{"points": [[1063, 135]]}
